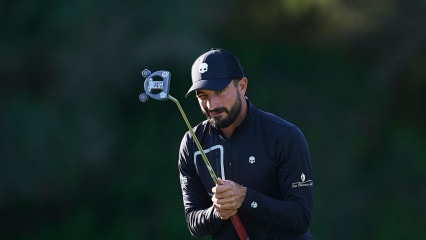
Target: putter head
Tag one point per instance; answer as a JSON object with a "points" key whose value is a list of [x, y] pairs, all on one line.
{"points": [[156, 85]]}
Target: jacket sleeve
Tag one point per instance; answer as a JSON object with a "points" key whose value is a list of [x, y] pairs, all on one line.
{"points": [[201, 218], [293, 210]]}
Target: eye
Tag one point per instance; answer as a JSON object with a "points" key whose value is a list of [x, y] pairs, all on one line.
{"points": [[219, 92], [201, 96]]}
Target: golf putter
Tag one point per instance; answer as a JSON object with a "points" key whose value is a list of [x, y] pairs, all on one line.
{"points": [[157, 86]]}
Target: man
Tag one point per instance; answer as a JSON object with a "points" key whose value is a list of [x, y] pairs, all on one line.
{"points": [[262, 161]]}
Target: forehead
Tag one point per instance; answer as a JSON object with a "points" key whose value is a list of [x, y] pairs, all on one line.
{"points": [[206, 91], [202, 90]]}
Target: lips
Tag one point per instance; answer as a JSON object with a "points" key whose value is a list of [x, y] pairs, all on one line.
{"points": [[214, 113]]}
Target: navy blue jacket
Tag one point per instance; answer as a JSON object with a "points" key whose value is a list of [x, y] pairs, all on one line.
{"points": [[266, 154]]}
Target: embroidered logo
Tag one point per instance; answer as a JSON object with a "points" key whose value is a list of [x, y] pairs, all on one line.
{"points": [[252, 159], [184, 181], [203, 67], [303, 182]]}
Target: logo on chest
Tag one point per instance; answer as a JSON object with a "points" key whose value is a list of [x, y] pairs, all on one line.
{"points": [[216, 150]]}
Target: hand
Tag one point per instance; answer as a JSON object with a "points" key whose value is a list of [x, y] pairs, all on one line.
{"points": [[228, 197]]}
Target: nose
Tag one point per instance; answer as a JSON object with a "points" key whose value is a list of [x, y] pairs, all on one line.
{"points": [[212, 103]]}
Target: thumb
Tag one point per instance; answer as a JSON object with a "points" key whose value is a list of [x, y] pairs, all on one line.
{"points": [[220, 181]]}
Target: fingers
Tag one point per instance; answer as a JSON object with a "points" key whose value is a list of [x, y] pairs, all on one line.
{"points": [[223, 186], [225, 203], [219, 186], [226, 214], [229, 189], [228, 197], [220, 181]]}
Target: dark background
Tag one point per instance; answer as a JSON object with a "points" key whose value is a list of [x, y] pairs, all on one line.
{"points": [[82, 158]]}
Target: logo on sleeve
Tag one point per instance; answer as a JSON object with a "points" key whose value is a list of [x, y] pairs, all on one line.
{"points": [[303, 182], [183, 180]]}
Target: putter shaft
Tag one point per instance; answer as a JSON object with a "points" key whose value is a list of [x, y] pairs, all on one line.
{"points": [[200, 148]]}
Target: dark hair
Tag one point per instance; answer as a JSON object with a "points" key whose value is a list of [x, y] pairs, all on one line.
{"points": [[235, 81]]}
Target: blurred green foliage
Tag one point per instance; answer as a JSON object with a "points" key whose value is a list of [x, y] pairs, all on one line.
{"points": [[82, 158]]}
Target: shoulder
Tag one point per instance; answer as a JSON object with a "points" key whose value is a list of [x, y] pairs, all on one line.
{"points": [[275, 125], [272, 120]]}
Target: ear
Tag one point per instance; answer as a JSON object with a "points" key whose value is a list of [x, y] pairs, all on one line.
{"points": [[242, 86]]}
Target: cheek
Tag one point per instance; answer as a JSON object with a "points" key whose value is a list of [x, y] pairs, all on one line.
{"points": [[202, 103]]}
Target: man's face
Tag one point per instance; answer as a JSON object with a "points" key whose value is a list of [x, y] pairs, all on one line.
{"points": [[220, 107]]}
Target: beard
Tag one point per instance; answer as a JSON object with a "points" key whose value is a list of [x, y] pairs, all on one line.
{"points": [[231, 116]]}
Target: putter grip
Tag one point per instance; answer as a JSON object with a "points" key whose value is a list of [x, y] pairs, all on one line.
{"points": [[238, 225]]}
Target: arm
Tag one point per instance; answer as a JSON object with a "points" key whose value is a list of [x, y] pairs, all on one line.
{"points": [[201, 218]]}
